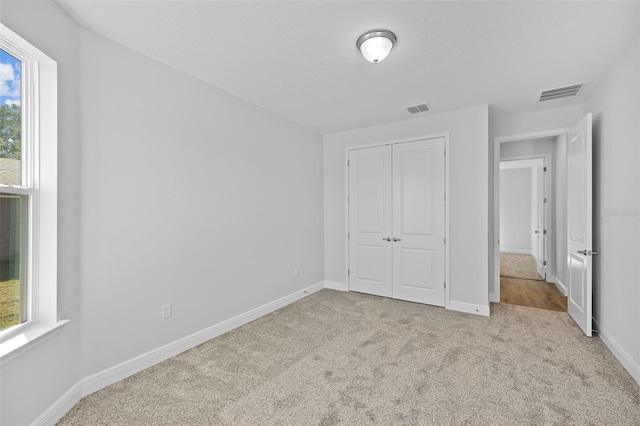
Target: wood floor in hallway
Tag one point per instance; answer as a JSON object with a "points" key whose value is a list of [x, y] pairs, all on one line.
{"points": [[535, 294]]}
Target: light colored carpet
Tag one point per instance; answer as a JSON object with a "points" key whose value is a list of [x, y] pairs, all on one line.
{"points": [[347, 358], [519, 266]]}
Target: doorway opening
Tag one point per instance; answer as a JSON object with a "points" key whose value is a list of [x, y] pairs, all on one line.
{"points": [[531, 189], [570, 260]]}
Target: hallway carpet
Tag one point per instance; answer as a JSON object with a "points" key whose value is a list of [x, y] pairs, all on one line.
{"points": [[353, 359], [521, 266]]}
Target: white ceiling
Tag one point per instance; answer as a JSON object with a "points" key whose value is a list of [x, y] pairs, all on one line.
{"points": [[298, 59]]}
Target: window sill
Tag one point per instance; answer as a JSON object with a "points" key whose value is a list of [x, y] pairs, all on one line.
{"points": [[28, 339]]}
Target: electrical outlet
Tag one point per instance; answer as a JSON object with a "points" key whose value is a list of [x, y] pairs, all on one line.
{"points": [[166, 311], [296, 271]]}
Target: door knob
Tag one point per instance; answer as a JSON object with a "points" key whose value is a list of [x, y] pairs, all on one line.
{"points": [[583, 252], [536, 232], [396, 239], [386, 239]]}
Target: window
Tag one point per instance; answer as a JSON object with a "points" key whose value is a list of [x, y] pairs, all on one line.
{"points": [[28, 193], [14, 205]]}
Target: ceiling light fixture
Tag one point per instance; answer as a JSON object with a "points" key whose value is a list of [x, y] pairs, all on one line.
{"points": [[375, 45]]}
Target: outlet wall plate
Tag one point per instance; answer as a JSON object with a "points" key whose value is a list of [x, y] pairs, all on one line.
{"points": [[166, 311]]}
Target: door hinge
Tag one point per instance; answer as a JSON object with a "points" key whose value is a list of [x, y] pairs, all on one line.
{"points": [[445, 284], [348, 236], [348, 163], [545, 169], [544, 263], [348, 271], [544, 232], [545, 200], [445, 240]]}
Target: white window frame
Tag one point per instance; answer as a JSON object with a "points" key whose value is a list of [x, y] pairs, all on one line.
{"points": [[39, 174]]}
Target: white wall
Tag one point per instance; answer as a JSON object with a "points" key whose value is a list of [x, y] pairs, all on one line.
{"points": [[171, 191], [616, 274], [468, 131], [32, 382], [190, 196], [504, 123], [515, 210]]}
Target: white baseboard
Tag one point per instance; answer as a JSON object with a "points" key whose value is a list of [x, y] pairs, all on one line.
{"points": [[623, 356], [516, 251], [336, 286], [60, 407], [494, 298], [111, 375], [561, 287], [134, 365], [469, 308]]}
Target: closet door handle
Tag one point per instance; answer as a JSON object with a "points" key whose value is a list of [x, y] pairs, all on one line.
{"points": [[386, 239], [396, 239]]}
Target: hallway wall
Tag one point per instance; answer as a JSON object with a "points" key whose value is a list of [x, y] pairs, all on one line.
{"points": [[615, 105], [515, 210]]}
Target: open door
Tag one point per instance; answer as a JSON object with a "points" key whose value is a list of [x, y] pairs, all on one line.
{"points": [[541, 233], [579, 224]]}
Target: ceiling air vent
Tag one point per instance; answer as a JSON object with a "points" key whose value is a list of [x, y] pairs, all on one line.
{"points": [[414, 109], [561, 92]]}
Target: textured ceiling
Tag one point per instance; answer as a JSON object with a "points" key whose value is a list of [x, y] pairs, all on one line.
{"points": [[298, 58]]}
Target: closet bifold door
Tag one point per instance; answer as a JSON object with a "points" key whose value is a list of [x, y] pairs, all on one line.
{"points": [[419, 221], [370, 221]]}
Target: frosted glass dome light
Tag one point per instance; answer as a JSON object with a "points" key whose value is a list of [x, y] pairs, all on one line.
{"points": [[375, 45]]}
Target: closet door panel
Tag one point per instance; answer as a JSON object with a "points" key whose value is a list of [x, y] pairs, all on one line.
{"points": [[370, 255], [418, 221], [417, 267], [416, 184]]}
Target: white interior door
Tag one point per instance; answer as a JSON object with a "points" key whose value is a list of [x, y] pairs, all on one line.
{"points": [[370, 221], [418, 221], [540, 225], [579, 224]]}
